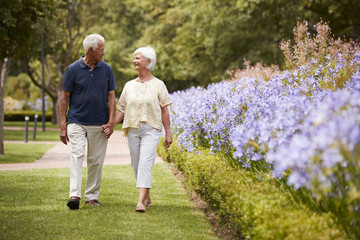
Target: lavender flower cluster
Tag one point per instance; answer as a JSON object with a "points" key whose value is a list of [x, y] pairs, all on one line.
{"points": [[301, 130]]}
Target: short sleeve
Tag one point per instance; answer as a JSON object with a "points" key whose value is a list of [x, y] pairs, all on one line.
{"points": [[121, 105], [164, 98], [112, 82], [68, 82]]}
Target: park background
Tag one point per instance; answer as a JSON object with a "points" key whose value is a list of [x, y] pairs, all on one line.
{"points": [[200, 43]]}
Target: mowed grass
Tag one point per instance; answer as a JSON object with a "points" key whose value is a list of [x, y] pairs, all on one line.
{"points": [[33, 206], [19, 135], [21, 153], [31, 124], [50, 134]]}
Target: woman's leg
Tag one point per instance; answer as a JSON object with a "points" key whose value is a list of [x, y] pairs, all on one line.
{"points": [[149, 141]]}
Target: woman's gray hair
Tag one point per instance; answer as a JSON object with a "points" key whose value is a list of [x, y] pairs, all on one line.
{"points": [[91, 41], [149, 54]]}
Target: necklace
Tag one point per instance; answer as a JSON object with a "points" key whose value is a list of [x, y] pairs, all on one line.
{"points": [[144, 80]]}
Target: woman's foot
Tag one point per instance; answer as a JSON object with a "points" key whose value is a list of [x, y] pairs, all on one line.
{"points": [[147, 202], [140, 207]]}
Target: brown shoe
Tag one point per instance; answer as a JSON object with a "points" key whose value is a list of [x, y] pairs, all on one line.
{"points": [[93, 203], [73, 203], [140, 207]]}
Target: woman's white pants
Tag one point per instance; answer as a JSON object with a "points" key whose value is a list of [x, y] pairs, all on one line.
{"points": [[142, 145]]}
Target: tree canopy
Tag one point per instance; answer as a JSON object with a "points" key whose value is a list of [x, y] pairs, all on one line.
{"points": [[195, 41]]}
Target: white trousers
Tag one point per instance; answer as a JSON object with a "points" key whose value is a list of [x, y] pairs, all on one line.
{"points": [[80, 135], [142, 145]]}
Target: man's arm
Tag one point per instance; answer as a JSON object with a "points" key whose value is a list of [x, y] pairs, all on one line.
{"points": [[64, 103], [108, 128]]}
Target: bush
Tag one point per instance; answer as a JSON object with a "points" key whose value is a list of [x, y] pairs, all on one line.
{"points": [[301, 125], [253, 207], [20, 115]]}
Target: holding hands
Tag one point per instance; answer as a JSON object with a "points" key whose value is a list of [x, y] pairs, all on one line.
{"points": [[107, 129]]}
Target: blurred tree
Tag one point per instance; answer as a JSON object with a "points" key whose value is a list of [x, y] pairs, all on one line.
{"points": [[64, 32], [18, 37], [342, 16], [122, 24], [197, 41]]}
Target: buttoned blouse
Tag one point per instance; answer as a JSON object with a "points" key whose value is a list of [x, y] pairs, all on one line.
{"points": [[142, 103]]}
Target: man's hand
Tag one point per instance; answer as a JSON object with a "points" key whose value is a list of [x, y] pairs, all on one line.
{"points": [[63, 133], [107, 129]]}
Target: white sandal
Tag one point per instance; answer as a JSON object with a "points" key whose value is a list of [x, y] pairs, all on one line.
{"points": [[140, 207]]}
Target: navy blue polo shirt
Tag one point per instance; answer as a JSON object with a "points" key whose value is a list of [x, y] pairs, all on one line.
{"points": [[88, 104]]}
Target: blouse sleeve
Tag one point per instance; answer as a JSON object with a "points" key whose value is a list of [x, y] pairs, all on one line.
{"points": [[121, 105], [164, 98]]}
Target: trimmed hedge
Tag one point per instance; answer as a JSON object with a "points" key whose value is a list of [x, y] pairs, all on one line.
{"points": [[20, 115], [253, 207]]}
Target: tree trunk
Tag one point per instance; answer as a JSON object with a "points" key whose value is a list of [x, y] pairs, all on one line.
{"points": [[4, 71]]}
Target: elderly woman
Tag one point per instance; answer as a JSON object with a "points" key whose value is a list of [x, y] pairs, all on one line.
{"points": [[143, 107]]}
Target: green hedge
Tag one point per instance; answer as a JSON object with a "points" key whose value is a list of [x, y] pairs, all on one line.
{"points": [[253, 207], [20, 115]]}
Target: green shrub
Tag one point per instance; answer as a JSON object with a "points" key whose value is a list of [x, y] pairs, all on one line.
{"points": [[20, 115], [255, 208]]}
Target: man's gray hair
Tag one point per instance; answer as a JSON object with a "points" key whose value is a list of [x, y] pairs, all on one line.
{"points": [[148, 53], [91, 41]]}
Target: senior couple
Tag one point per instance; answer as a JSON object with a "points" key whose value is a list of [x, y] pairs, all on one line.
{"points": [[88, 116]]}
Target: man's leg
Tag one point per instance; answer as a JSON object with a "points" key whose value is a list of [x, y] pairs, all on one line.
{"points": [[77, 137], [97, 143]]}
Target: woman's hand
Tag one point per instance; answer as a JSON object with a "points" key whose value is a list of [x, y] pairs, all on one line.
{"points": [[168, 140], [108, 129]]}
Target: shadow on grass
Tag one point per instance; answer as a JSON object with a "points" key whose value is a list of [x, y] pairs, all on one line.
{"points": [[33, 206]]}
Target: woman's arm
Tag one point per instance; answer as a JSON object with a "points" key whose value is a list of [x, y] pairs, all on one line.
{"points": [[166, 122], [107, 129]]}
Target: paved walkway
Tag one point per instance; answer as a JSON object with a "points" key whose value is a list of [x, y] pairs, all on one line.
{"points": [[59, 156]]}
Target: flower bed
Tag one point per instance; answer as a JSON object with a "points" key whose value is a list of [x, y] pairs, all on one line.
{"points": [[301, 126]]}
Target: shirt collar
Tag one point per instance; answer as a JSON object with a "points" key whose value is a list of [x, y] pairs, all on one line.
{"points": [[83, 64]]}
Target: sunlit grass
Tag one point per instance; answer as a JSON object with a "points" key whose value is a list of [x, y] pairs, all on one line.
{"points": [[40, 135], [33, 206], [48, 135], [19, 153], [31, 124]]}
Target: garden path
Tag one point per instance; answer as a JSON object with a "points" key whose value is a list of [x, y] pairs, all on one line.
{"points": [[58, 156]]}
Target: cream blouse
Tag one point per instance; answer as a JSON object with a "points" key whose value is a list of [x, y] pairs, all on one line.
{"points": [[142, 102]]}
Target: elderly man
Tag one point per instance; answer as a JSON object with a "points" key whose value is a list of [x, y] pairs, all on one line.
{"points": [[89, 93]]}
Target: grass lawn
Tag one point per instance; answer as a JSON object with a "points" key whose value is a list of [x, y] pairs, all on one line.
{"points": [[20, 153], [33, 206], [48, 135], [40, 135], [31, 124]]}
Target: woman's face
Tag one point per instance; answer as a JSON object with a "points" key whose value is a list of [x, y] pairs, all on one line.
{"points": [[140, 62]]}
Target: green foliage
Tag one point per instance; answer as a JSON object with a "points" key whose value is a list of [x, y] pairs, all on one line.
{"points": [[255, 207], [196, 41], [343, 15], [22, 153], [18, 19], [33, 206]]}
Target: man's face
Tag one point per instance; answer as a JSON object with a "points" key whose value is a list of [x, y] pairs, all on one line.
{"points": [[98, 54]]}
